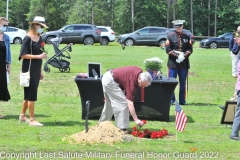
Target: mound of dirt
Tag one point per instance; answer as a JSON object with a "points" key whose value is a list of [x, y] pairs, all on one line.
{"points": [[104, 132]]}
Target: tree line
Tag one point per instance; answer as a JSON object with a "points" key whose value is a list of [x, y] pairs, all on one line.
{"points": [[203, 17]]}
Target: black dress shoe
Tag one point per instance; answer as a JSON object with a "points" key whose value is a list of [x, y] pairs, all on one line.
{"points": [[184, 104], [222, 107], [126, 131], [235, 138]]}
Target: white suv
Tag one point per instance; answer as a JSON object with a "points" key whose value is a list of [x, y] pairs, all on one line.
{"points": [[16, 35], [108, 35]]}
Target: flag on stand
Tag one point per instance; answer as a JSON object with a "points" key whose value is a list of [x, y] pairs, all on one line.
{"points": [[181, 118]]}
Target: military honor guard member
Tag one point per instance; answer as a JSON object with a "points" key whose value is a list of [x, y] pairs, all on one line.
{"points": [[179, 48]]}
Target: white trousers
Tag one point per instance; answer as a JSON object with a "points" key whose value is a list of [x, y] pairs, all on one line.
{"points": [[115, 102], [234, 63]]}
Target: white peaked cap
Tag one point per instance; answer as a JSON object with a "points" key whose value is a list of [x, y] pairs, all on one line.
{"points": [[178, 22]]}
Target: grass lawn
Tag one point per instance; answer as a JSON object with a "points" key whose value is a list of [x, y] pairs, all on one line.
{"points": [[59, 109]]}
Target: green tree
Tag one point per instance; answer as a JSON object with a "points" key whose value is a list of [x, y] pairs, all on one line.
{"points": [[17, 13], [122, 19], [55, 12], [79, 12], [3, 8]]}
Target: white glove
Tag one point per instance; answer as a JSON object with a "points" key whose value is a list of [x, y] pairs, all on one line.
{"points": [[180, 58], [177, 60], [139, 122]]}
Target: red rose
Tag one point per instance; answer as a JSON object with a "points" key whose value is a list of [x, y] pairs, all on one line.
{"points": [[135, 133], [154, 135], [42, 44], [164, 132], [144, 121], [134, 128], [142, 135], [160, 134], [146, 131]]}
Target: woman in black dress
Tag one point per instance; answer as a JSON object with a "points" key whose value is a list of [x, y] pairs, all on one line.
{"points": [[32, 53], [5, 61]]}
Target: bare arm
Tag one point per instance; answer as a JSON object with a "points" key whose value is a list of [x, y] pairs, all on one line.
{"points": [[133, 113], [30, 56], [132, 110]]}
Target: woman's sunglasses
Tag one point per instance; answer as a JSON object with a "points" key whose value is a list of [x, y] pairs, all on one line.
{"points": [[40, 25]]}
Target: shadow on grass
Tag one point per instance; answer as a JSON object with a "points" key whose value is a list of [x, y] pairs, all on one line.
{"points": [[51, 123], [7, 117], [172, 119], [188, 142], [65, 123], [202, 104]]}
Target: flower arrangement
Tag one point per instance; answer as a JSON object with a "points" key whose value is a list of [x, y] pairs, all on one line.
{"points": [[148, 134], [153, 63]]}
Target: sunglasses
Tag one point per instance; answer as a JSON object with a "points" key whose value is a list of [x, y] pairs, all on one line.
{"points": [[5, 25], [40, 25]]}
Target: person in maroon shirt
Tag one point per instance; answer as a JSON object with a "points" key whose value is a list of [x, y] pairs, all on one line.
{"points": [[119, 88]]}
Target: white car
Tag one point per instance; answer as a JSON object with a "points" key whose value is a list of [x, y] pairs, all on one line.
{"points": [[16, 35], [107, 34]]}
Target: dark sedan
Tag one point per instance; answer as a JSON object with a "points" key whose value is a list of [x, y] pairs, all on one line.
{"points": [[221, 41]]}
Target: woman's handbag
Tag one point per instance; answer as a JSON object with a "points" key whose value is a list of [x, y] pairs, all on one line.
{"points": [[25, 77]]}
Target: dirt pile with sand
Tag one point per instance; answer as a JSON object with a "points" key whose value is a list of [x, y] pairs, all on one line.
{"points": [[104, 132]]}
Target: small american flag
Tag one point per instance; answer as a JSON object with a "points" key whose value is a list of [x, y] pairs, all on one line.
{"points": [[181, 118]]}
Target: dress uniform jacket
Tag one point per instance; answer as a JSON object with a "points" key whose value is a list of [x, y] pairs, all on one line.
{"points": [[179, 42]]}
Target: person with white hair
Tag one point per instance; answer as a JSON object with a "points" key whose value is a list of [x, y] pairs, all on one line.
{"points": [[119, 88]]}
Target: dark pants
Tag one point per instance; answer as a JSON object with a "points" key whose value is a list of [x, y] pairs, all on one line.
{"points": [[236, 121], [182, 74]]}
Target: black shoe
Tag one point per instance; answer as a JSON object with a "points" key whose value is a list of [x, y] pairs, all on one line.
{"points": [[123, 47], [184, 104], [235, 138], [126, 131], [222, 107]]}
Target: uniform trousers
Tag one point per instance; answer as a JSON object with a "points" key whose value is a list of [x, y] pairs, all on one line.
{"points": [[236, 121], [115, 102], [182, 74]]}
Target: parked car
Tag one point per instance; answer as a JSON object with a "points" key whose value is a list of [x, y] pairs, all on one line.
{"points": [[145, 36], [108, 35], [86, 34], [221, 41], [188, 32], [16, 35]]}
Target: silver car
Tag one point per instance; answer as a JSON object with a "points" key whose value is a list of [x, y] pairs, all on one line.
{"points": [[155, 36], [86, 34]]}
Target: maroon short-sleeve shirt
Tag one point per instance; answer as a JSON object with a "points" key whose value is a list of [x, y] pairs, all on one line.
{"points": [[127, 78]]}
